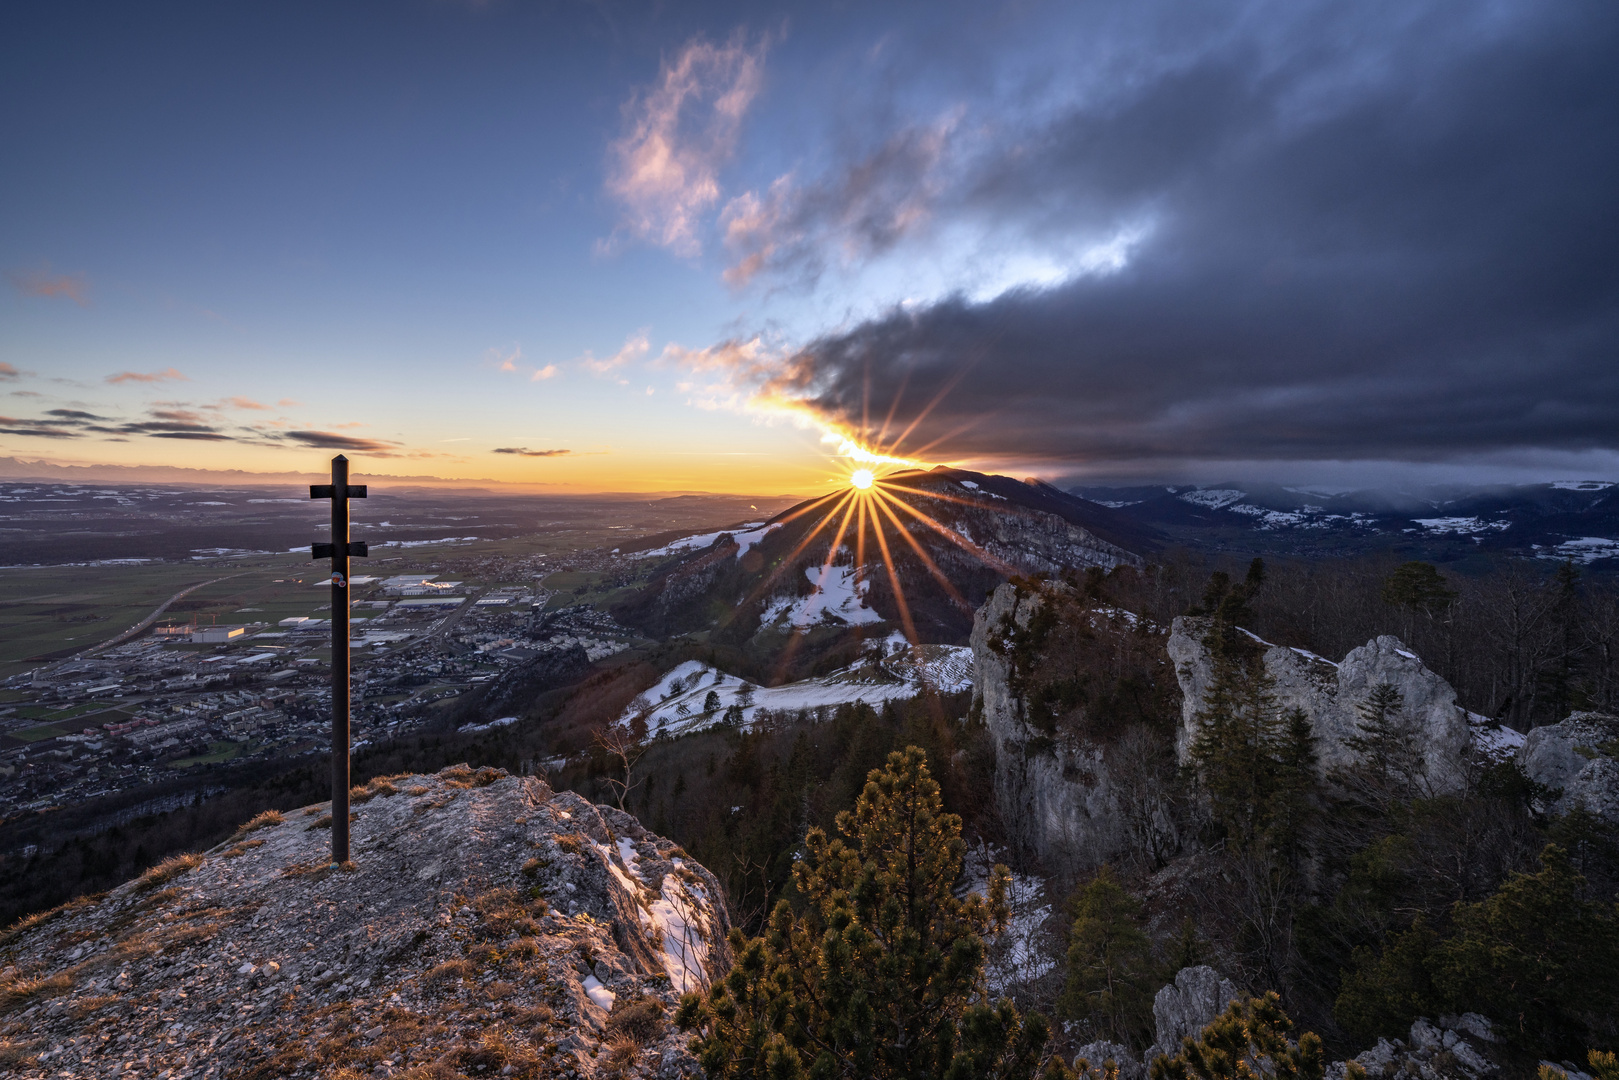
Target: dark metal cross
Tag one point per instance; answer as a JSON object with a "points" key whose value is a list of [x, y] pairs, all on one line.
{"points": [[340, 491]]}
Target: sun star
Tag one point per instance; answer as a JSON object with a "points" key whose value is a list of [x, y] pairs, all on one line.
{"points": [[861, 478]]}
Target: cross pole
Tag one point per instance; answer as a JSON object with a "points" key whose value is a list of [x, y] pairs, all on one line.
{"points": [[340, 491]]}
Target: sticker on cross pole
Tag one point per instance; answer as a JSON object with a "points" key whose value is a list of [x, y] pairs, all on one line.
{"points": [[340, 581]]}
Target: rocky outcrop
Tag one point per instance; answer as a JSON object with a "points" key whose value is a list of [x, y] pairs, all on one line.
{"points": [[1067, 799], [1186, 1006], [1576, 760], [487, 926], [1456, 1048], [1331, 694]]}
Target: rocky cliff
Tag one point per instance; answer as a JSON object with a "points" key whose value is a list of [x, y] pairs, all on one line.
{"points": [[1070, 793], [487, 926], [1331, 694]]}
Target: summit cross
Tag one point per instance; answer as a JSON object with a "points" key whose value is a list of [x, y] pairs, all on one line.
{"points": [[340, 491]]}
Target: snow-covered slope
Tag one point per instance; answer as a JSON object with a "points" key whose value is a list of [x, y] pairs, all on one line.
{"points": [[679, 703]]}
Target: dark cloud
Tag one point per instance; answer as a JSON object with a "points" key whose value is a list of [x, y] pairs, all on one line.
{"points": [[73, 414], [7, 372], [1406, 252], [326, 440], [204, 436], [526, 452], [151, 427], [41, 432]]}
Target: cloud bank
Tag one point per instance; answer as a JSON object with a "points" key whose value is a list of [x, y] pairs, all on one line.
{"points": [[1335, 234]]}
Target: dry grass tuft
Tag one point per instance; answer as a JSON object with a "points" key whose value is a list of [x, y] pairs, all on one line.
{"points": [[572, 843], [28, 922], [17, 991], [257, 822], [167, 870], [619, 1061], [322, 822], [452, 971], [243, 848], [463, 776], [18, 1055], [638, 1019], [84, 1006]]}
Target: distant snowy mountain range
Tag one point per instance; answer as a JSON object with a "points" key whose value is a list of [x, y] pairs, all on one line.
{"points": [[1576, 519]]}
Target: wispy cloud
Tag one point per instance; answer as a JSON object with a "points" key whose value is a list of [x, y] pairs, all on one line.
{"points": [[247, 403], [679, 133], [523, 451], [503, 359], [541, 374], [636, 346], [74, 287], [7, 372], [166, 375]]}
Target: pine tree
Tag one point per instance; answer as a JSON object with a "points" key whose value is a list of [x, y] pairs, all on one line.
{"points": [[1111, 973], [881, 974], [1256, 762], [1390, 766], [1539, 957]]}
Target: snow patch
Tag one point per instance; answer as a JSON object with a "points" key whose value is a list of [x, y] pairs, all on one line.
{"points": [[749, 535], [1495, 741], [1462, 526], [840, 592], [598, 993], [504, 721], [1023, 952], [1214, 498], [1586, 549]]}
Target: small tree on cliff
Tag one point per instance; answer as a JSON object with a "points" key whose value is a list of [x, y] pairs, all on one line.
{"points": [[882, 974], [1111, 972]]}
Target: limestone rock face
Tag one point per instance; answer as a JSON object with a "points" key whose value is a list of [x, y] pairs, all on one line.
{"points": [[1187, 1006], [1576, 759], [1330, 695], [487, 926], [1062, 798]]}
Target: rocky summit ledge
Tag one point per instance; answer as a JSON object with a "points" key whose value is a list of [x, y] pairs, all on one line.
{"points": [[487, 926]]}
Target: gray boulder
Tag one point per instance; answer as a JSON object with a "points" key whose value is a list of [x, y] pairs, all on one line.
{"points": [[1102, 1051], [1575, 758], [1187, 1006], [1331, 695]]}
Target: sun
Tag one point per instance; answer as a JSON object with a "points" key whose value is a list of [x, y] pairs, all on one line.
{"points": [[861, 478]]}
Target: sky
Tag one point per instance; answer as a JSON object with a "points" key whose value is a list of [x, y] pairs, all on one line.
{"points": [[742, 247]]}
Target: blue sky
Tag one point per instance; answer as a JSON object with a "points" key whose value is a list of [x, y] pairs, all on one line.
{"points": [[683, 243]]}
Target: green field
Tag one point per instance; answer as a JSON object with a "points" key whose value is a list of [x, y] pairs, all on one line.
{"points": [[34, 734]]}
